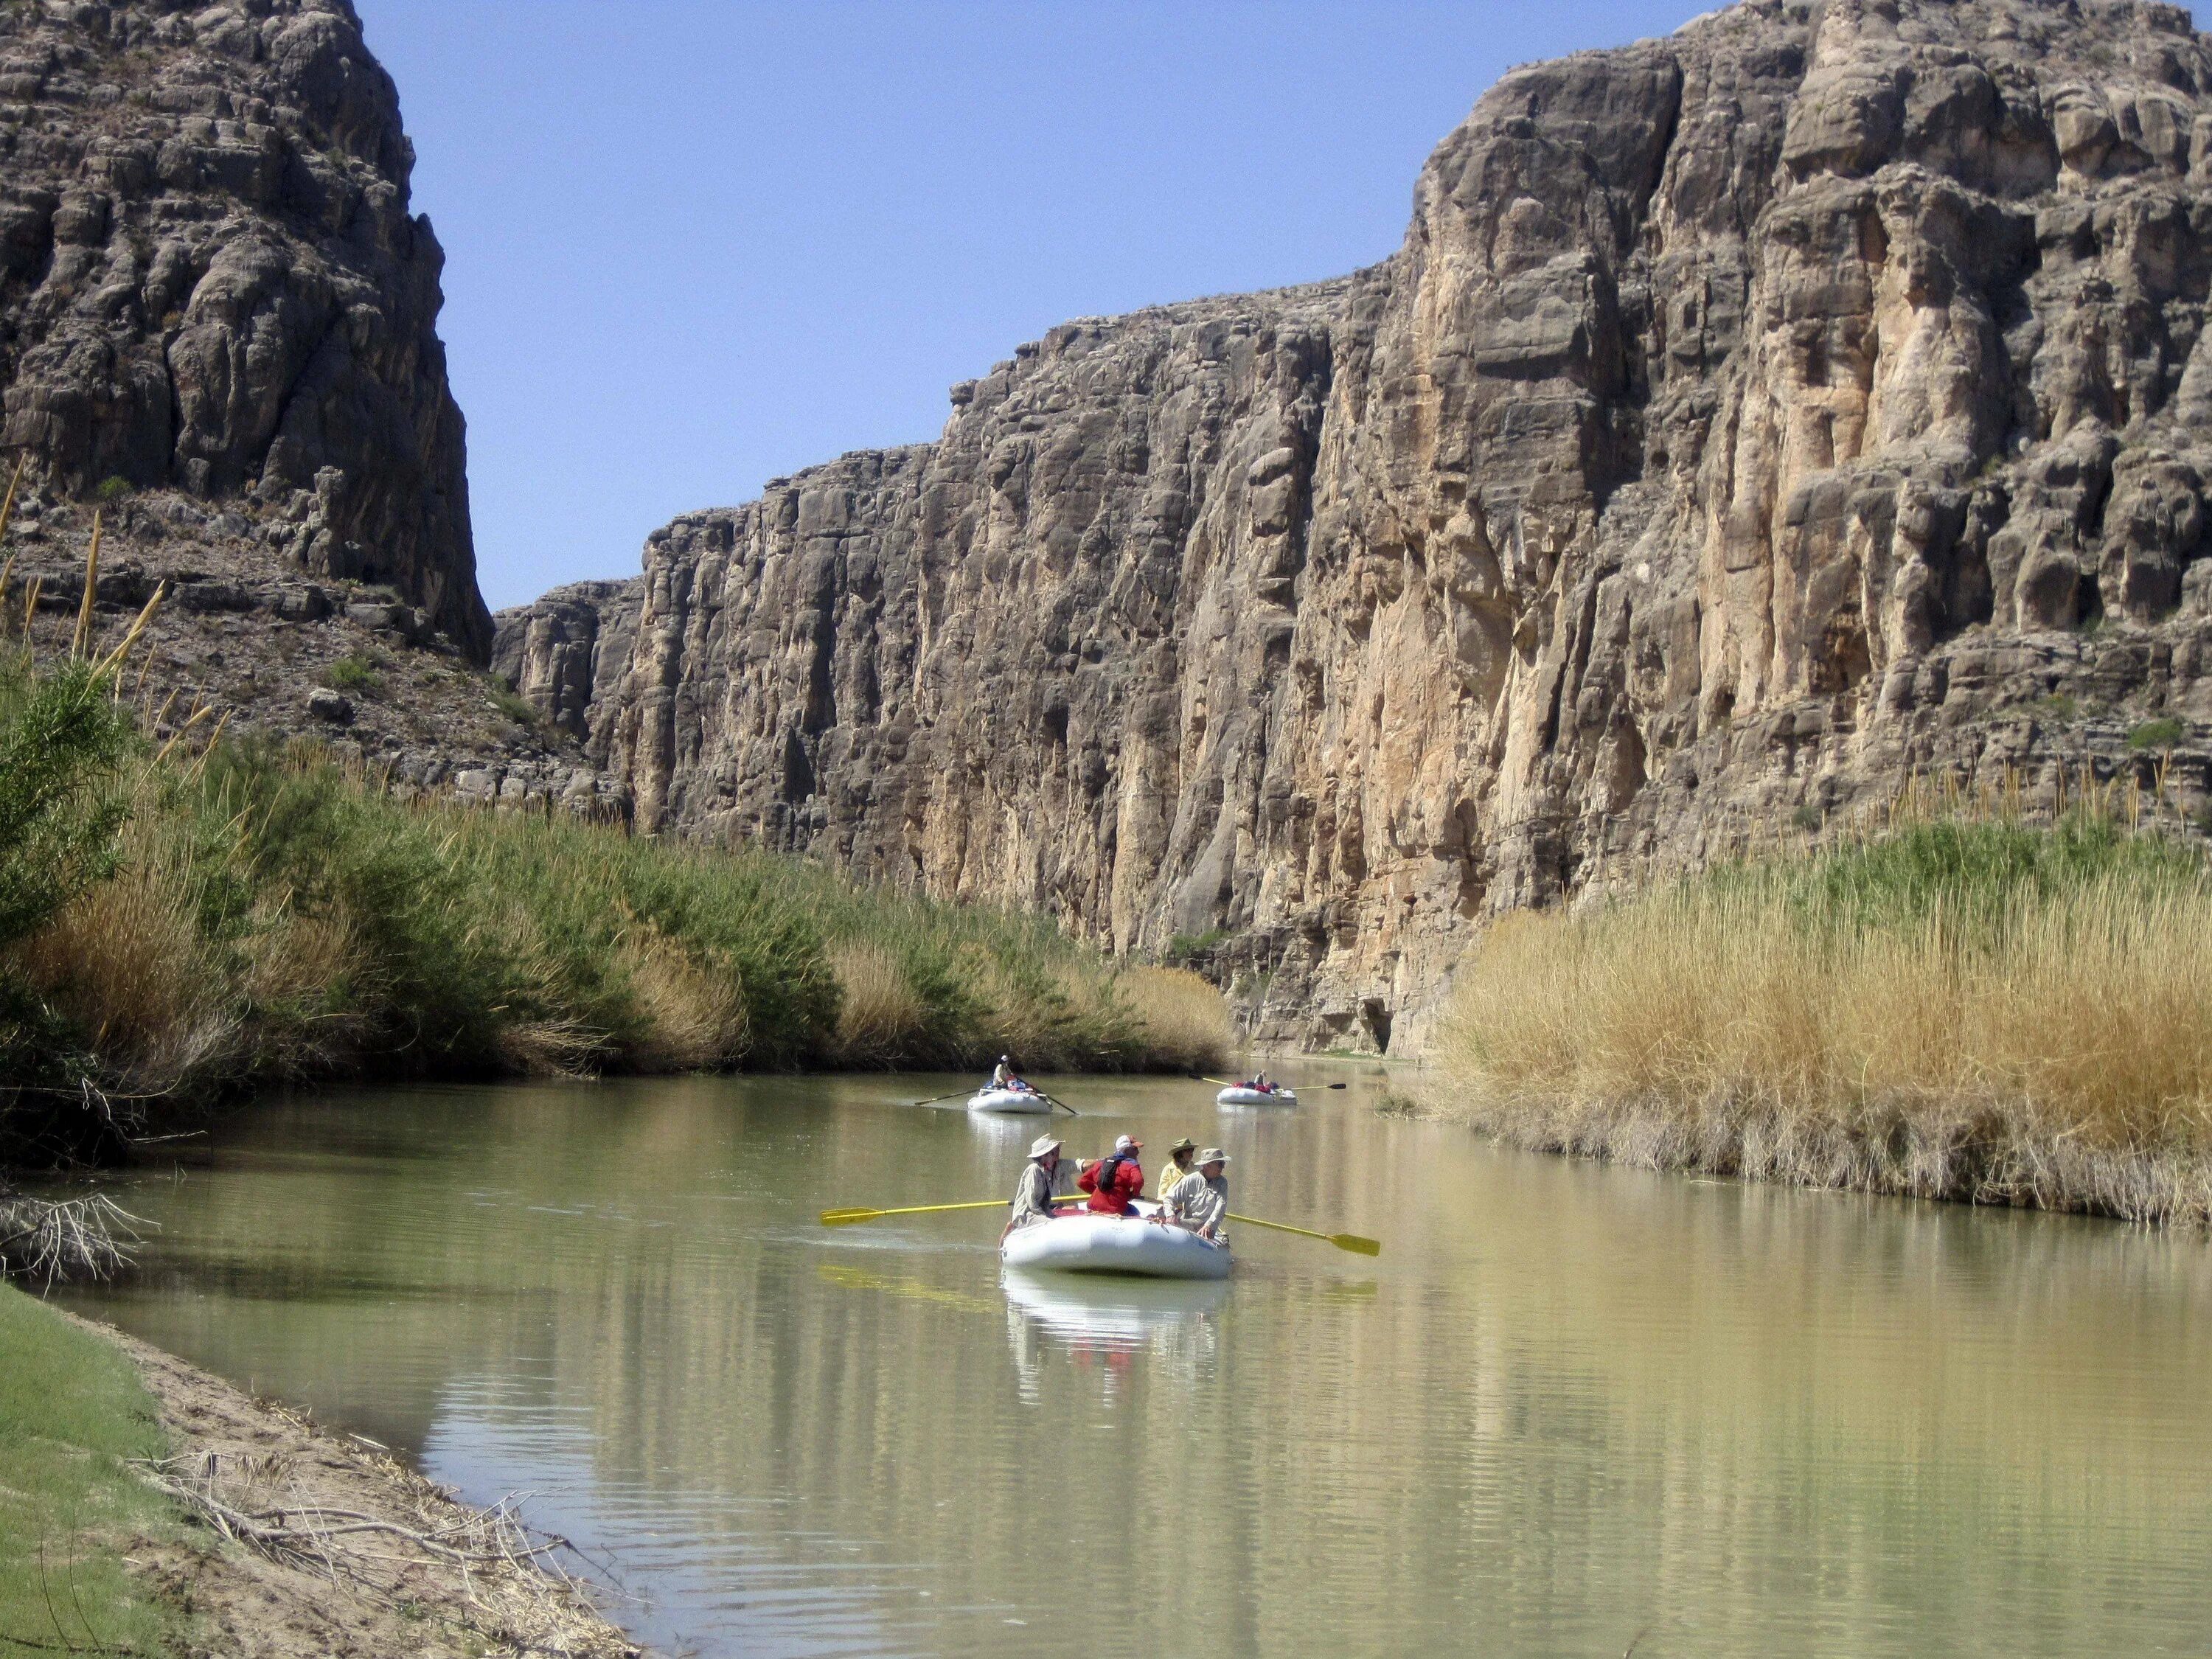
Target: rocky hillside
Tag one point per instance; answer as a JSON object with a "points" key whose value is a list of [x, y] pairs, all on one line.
{"points": [[1750, 418], [217, 329]]}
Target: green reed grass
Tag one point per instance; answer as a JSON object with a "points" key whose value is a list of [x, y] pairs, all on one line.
{"points": [[258, 913]]}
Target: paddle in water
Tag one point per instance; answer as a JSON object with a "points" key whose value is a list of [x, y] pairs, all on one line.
{"points": [[933, 1099], [846, 1218], [1351, 1242]]}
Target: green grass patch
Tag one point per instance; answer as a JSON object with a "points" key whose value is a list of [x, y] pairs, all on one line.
{"points": [[2161, 733], [512, 706], [358, 676], [72, 1410]]}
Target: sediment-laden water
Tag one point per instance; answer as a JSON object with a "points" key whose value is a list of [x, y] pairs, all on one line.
{"points": [[1568, 1405]]}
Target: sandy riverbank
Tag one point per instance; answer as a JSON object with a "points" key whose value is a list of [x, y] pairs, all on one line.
{"points": [[399, 1565]]}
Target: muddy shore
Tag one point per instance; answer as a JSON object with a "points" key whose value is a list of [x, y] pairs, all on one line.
{"points": [[359, 1557]]}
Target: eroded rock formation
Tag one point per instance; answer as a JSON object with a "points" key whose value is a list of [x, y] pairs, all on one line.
{"points": [[211, 284], [1751, 418]]}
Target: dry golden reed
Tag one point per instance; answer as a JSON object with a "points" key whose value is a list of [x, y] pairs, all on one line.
{"points": [[2013, 1025]]}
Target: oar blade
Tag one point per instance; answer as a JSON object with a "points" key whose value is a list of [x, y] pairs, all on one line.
{"points": [[1355, 1244], [847, 1217]]}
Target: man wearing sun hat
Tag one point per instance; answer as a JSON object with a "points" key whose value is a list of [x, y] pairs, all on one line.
{"points": [[1177, 1166], [1200, 1200], [1033, 1194]]}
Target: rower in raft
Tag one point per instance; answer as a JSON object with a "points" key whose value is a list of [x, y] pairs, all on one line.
{"points": [[1009, 1091], [1200, 1201], [1040, 1234]]}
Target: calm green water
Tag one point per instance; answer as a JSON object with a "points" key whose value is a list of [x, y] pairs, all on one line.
{"points": [[1567, 1405]]}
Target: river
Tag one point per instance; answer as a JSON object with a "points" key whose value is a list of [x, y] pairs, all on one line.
{"points": [[1569, 1406]]}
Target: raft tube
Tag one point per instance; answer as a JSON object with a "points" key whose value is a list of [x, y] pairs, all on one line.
{"points": [[1085, 1243], [1243, 1096], [1025, 1103]]}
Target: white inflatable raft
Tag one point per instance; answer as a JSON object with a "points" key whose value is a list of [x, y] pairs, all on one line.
{"points": [[1239, 1095], [1083, 1243], [1026, 1102]]}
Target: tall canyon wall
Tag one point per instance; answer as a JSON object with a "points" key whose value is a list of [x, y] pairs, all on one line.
{"points": [[1750, 418], [212, 291]]}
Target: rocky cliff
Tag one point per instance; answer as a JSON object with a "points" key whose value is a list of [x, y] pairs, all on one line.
{"points": [[1750, 419], [211, 288]]}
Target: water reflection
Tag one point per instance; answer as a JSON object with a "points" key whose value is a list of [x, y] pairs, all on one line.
{"points": [[1103, 1323], [1567, 1403]]}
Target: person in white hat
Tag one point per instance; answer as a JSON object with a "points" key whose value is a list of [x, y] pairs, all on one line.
{"points": [[1003, 1072], [1200, 1201], [1033, 1193]]}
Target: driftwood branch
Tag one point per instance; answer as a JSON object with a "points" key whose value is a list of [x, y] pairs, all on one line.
{"points": [[53, 1239], [530, 1603]]}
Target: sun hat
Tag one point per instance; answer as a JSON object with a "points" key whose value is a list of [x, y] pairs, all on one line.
{"points": [[1184, 1145], [1212, 1155], [1043, 1145], [1128, 1144]]}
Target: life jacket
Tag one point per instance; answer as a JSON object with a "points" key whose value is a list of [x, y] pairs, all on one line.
{"points": [[1099, 1177]]}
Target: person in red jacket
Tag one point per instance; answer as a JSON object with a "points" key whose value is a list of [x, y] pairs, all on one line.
{"points": [[1114, 1179]]}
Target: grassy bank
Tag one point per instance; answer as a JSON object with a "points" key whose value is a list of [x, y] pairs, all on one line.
{"points": [[72, 1409], [1984, 1011], [174, 925]]}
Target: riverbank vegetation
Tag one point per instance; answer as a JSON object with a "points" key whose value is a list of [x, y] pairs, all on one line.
{"points": [[1964, 1005], [177, 922]]}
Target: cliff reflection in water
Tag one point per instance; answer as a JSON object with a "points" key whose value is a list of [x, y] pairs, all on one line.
{"points": [[1566, 1403]]}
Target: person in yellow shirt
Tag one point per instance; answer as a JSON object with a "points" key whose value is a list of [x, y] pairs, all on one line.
{"points": [[1177, 1166]]}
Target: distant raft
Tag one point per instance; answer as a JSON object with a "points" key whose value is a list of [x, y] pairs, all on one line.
{"points": [[1024, 1102], [1086, 1243], [1237, 1094]]}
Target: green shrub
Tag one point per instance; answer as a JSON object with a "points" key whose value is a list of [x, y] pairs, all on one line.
{"points": [[112, 489], [357, 675], [61, 740], [513, 707], [2161, 733]]}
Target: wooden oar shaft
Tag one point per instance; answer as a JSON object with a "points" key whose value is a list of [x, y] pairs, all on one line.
{"points": [[1280, 1226], [839, 1217], [1351, 1242]]}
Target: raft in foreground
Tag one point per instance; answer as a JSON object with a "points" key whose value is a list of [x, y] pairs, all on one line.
{"points": [[1236, 1095], [1085, 1243], [1025, 1103]]}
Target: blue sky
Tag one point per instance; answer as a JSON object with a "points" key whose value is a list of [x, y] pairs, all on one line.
{"points": [[695, 244]]}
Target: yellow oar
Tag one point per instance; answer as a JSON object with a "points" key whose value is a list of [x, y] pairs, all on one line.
{"points": [[846, 1218], [1351, 1242]]}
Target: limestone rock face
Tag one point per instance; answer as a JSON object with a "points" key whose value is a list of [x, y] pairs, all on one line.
{"points": [[1750, 420], [210, 282]]}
